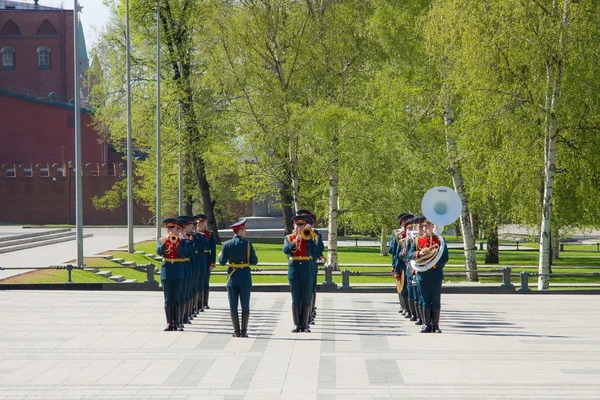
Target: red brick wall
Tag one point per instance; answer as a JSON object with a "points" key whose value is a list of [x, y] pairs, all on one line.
{"points": [[34, 132], [59, 78], [43, 201]]}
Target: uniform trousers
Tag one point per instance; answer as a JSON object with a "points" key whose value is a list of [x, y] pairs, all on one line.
{"points": [[301, 292], [241, 294], [172, 289]]}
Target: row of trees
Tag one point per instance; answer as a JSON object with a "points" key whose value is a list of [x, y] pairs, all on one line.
{"points": [[355, 108]]}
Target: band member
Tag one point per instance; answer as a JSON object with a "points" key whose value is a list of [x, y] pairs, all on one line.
{"points": [[411, 283], [210, 256], [200, 245], [418, 224], [171, 272], [396, 247], [318, 260], [301, 247], [430, 281], [239, 254], [189, 269]]}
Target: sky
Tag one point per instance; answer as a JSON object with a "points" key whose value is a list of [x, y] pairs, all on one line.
{"points": [[94, 15]]}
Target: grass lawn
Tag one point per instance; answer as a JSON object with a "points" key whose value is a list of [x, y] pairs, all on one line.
{"points": [[525, 260]]}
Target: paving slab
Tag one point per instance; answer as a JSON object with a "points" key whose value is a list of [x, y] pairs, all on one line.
{"points": [[104, 345]]}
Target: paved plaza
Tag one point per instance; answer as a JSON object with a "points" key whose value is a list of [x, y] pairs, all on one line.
{"points": [[110, 345]]}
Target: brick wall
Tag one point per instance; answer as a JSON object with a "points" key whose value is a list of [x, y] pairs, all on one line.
{"points": [[42, 200]]}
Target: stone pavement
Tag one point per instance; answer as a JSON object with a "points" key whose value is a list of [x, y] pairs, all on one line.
{"points": [[110, 345]]}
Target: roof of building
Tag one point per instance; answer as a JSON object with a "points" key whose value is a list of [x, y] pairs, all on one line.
{"points": [[20, 5]]}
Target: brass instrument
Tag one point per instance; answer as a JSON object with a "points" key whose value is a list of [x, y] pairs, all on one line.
{"points": [[307, 233], [173, 239]]}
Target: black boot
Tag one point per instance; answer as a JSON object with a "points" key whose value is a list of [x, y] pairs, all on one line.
{"points": [[313, 304], [406, 309], [401, 311], [296, 317], [435, 320], [186, 310], [177, 316], [169, 315], [419, 314], [426, 328], [413, 310], [205, 295], [244, 331], [305, 312], [235, 322], [201, 301]]}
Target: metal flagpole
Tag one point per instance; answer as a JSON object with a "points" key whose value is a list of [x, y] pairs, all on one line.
{"points": [[180, 168], [129, 144], [77, 111], [158, 155]]}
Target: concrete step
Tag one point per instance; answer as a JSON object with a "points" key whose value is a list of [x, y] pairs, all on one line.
{"points": [[118, 260], [104, 256], [128, 263], [34, 234], [42, 243], [94, 270], [129, 281], [150, 256], [106, 274], [139, 252], [16, 241], [157, 258], [117, 278]]}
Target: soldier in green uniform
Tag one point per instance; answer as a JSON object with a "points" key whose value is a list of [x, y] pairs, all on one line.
{"points": [[399, 242], [239, 254], [210, 257], [317, 260], [301, 247], [189, 269], [430, 281], [171, 272], [200, 246]]}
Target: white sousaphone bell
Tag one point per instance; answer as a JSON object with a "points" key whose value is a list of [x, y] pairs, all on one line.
{"points": [[441, 206]]}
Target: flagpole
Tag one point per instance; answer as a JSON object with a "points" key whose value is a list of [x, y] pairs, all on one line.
{"points": [[77, 112], [129, 139]]}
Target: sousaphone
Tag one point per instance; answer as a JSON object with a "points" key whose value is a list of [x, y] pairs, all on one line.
{"points": [[441, 206]]}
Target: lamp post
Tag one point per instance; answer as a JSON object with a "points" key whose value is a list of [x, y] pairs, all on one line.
{"points": [[70, 167]]}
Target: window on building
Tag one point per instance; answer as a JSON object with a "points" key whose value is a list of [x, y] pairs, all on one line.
{"points": [[8, 57], [43, 57]]}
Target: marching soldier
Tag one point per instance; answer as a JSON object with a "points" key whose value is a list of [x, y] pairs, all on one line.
{"points": [[200, 245], [411, 284], [210, 257], [396, 247], [171, 272], [430, 281], [417, 304], [239, 254], [318, 260], [189, 269], [301, 247]]}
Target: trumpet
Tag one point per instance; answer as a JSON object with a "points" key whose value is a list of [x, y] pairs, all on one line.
{"points": [[307, 233], [173, 239]]}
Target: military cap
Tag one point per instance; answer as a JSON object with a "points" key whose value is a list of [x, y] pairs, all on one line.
{"points": [[404, 216], [304, 219], [200, 217], [170, 222], [239, 225]]}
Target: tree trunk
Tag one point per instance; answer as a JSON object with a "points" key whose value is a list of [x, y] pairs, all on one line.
{"points": [[491, 254], [285, 196], [332, 255], [554, 72], [383, 245], [457, 179]]}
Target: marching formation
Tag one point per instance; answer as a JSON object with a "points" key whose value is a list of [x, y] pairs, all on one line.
{"points": [[418, 259], [419, 255], [188, 253]]}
